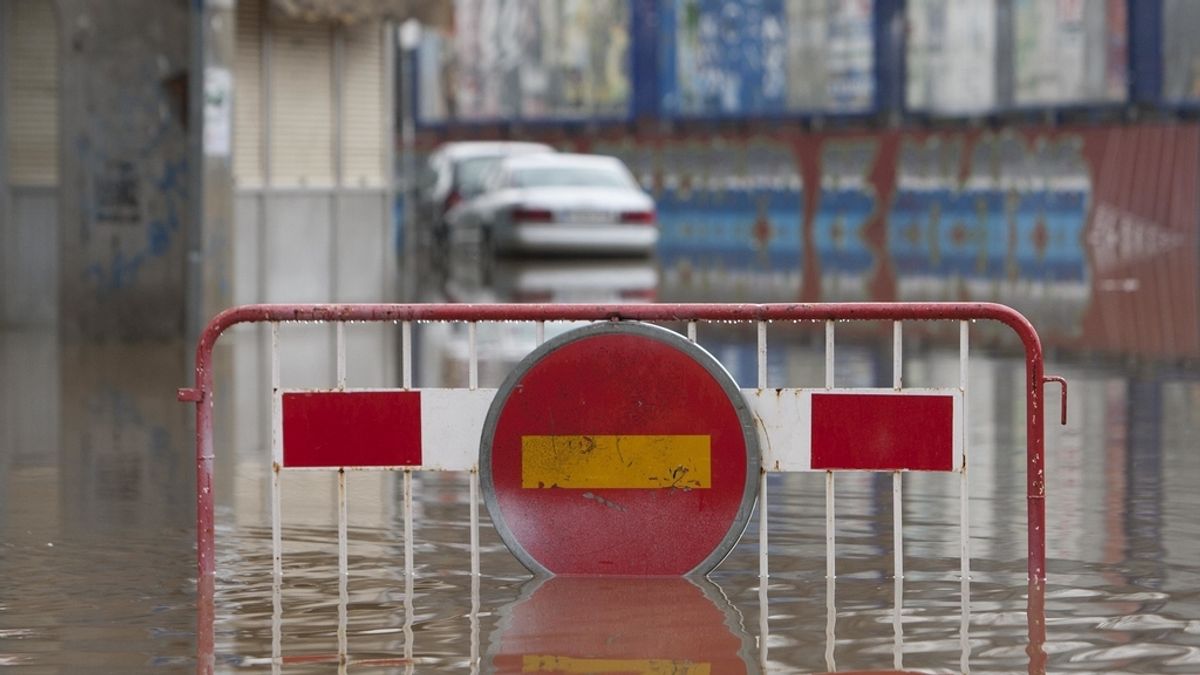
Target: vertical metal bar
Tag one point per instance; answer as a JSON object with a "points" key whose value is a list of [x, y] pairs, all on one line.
{"points": [[898, 524], [764, 600], [276, 533], [898, 515], [762, 354], [964, 511], [473, 478], [406, 354], [763, 546], [343, 569], [472, 357], [540, 332], [897, 477], [763, 541], [407, 494], [964, 628], [408, 616], [830, 541], [1035, 619], [830, 536], [830, 625], [343, 564], [341, 355], [1035, 462], [475, 624], [408, 523], [964, 493], [898, 625], [408, 565], [474, 518], [764, 623], [829, 355], [897, 354], [691, 331]]}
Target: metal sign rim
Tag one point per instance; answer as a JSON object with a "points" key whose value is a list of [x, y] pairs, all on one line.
{"points": [[669, 337]]}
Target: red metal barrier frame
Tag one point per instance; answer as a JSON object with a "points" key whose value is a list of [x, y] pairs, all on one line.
{"points": [[201, 394]]}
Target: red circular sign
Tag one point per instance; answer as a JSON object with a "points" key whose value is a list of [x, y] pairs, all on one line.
{"points": [[619, 449]]}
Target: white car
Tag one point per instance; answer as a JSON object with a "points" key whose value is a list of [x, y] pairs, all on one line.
{"points": [[558, 203], [454, 173]]}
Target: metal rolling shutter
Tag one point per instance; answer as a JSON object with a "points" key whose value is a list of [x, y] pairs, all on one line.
{"points": [[31, 59], [301, 126], [247, 99], [364, 146]]}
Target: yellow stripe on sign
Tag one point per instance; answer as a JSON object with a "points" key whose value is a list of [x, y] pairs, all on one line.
{"points": [[616, 462], [532, 663]]}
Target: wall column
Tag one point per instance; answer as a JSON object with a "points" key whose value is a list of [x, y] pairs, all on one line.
{"points": [[126, 181], [209, 255]]}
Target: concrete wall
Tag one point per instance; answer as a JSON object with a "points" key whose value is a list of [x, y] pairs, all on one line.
{"points": [[305, 245], [312, 165], [312, 246], [29, 257], [125, 170]]}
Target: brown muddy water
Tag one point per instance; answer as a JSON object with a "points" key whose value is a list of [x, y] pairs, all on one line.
{"points": [[97, 543]]}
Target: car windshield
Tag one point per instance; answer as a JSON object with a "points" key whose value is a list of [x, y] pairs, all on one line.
{"points": [[471, 173], [571, 176]]}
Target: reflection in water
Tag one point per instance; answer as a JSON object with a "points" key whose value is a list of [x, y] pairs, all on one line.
{"points": [[95, 507], [626, 625], [1143, 479], [96, 517], [557, 280], [123, 443]]}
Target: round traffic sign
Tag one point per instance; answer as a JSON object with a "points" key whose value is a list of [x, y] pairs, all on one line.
{"points": [[619, 449]]}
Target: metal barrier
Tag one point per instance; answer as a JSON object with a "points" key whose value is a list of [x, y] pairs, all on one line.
{"points": [[768, 413]]}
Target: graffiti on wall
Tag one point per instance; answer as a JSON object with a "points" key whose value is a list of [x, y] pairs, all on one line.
{"points": [[127, 173], [766, 57], [525, 59], [135, 198], [1069, 51]]}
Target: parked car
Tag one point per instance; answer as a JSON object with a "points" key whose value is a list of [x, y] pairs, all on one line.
{"points": [[558, 203], [455, 173]]}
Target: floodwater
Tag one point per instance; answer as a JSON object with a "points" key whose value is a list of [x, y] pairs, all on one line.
{"points": [[97, 497]]}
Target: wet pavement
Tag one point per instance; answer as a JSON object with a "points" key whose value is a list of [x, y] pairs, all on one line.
{"points": [[97, 490]]}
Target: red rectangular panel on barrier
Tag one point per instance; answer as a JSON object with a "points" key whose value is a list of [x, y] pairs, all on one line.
{"points": [[329, 429], [883, 432]]}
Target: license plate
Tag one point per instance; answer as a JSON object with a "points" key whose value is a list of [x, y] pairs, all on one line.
{"points": [[585, 217]]}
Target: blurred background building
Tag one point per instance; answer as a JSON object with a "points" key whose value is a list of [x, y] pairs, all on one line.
{"points": [[1039, 153], [313, 151], [125, 218]]}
